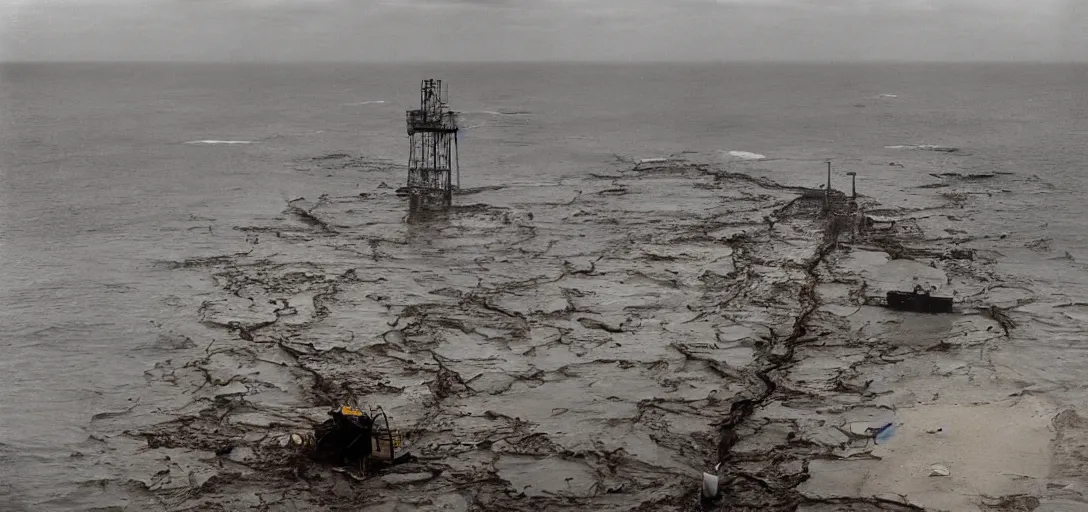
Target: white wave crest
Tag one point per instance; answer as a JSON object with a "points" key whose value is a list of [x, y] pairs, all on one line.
{"points": [[501, 113], [925, 147], [360, 103], [221, 142], [745, 155]]}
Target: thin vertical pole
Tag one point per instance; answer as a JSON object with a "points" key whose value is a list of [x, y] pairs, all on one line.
{"points": [[457, 160], [827, 191]]}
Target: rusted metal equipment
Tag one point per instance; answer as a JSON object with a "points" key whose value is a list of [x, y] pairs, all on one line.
{"points": [[433, 132], [351, 437], [919, 301], [386, 441]]}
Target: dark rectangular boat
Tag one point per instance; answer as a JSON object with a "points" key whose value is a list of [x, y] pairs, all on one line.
{"points": [[919, 301]]}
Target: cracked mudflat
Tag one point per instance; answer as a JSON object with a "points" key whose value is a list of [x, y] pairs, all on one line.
{"points": [[597, 343]]}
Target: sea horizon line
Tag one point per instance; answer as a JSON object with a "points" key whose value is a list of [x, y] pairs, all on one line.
{"points": [[550, 62]]}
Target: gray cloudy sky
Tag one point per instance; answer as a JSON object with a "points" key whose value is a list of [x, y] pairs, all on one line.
{"points": [[472, 30]]}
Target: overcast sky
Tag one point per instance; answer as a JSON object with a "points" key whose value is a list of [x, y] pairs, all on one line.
{"points": [[520, 30]]}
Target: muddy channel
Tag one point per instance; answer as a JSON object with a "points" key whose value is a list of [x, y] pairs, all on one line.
{"points": [[596, 343]]}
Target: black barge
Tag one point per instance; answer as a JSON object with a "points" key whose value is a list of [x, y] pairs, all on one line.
{"points": [[919, 301]]}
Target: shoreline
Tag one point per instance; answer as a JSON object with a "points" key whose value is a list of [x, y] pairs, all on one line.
{"points": [[593, 343]]}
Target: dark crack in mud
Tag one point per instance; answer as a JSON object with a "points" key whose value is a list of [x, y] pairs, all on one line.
{"points": [[593, 344]]}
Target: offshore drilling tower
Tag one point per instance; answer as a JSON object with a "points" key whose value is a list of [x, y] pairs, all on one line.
{"points": [[433, 132]]}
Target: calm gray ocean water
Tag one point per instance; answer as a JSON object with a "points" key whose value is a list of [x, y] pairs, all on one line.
{"points": [[103, 172]]}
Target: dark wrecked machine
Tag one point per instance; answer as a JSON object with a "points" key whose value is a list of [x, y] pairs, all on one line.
{"points": [[356, 439], [919, 301]]}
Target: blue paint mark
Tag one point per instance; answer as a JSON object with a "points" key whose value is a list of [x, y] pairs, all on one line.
{"points": [[883, 434]]}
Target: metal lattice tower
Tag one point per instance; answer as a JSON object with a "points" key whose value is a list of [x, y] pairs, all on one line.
{"points": [[433, 132]]}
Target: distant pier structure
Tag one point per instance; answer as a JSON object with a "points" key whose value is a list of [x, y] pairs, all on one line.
{"points": [[434, 159]]}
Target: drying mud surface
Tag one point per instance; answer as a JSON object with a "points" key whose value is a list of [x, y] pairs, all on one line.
{"points": [[596, 344]]}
